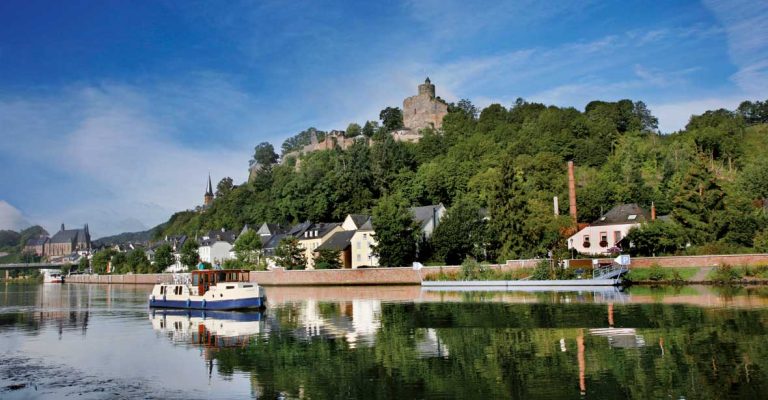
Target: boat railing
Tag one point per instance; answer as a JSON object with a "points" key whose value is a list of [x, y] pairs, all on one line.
{"points": [[182, 278]]}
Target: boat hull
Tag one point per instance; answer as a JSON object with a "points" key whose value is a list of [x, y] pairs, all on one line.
{"points": [[229, 304]]}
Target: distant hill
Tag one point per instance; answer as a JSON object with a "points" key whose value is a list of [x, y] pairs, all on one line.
{"points": [[9, 238], [130, 237]]}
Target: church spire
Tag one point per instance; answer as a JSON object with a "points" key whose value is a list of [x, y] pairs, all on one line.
{"points": [[208, 198]]}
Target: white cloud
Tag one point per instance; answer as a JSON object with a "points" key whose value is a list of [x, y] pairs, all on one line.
{"points": [[116, 154], [746, 27], [674, 116], [11, 218]]}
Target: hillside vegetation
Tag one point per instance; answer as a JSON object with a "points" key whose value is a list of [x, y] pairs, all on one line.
{"points": [[712, 178]]}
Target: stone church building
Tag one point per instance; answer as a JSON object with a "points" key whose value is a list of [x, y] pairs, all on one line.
{"points": [[68, 241]]}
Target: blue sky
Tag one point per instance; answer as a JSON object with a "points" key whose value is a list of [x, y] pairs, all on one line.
{"points": [[113, 112]]}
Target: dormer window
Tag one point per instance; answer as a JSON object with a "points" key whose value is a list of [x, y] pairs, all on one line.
{"points": [[602, 218], [632, 217]]}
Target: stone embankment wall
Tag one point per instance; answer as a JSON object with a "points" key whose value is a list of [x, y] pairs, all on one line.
{"points": [[409, 276], [688, 261]]}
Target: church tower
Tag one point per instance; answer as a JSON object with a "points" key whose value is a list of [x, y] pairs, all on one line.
{"points": [[208, 198]]}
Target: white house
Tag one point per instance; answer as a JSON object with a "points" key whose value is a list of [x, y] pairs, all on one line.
{"points": [[362, 242], [608, 230]]}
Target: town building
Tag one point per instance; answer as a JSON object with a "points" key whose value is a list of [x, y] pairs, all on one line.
{"points": [[68, 241], [37, 245], [609, 230], [314, 236], [362, 243], [217, 246]]}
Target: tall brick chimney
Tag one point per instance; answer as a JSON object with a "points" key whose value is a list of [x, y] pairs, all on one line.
{"points": [[653, 211], [572, 192]]}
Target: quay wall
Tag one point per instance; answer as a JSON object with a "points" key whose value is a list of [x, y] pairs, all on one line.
{"points": [[409, 276]]}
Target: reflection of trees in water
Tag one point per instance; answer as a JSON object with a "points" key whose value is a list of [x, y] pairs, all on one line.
{"points": [[515, 351]]}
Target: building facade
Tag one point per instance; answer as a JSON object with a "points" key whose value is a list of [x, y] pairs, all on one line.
{"points": [[609, 230], [68, 241]]}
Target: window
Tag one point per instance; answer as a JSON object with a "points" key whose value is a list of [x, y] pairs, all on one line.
{"points": [[359, 246], [230, 287], [162, 289], [358, 257], [247, 286], [603, 239], [616, 237], [632, 217], [586, 243], [365, 236]]}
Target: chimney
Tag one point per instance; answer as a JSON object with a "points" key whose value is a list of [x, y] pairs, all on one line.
{"points": [[62, 226], [653, 211], [556, 205], [572, 192]]}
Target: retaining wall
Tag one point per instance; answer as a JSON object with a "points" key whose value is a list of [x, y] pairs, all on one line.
{"points": [[695, 261]]}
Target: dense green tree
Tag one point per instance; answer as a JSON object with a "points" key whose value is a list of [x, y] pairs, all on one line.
{"points": [[137, 261], [290, 255], [391, 118], [461, 233], [396, 232], [224, 186], [101, 259], [369, 128], [264, 155], [189, 255], [119, 263], [353, 130], [697, 202], [163, 257], [509, 209], [248, 247], [83, 265], [655, 238], [327, 259]]}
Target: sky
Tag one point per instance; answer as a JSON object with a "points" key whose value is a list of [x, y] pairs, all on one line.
{"points": [[113, 113]]}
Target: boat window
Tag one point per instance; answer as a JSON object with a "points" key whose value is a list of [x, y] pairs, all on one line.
{"points": [[230, 287], [246, 286]]}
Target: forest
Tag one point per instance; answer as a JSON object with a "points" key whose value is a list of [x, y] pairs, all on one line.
{"points": [[498, 169]]}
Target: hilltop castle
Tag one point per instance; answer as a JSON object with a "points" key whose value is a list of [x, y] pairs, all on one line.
{"points": [[424, 110]]}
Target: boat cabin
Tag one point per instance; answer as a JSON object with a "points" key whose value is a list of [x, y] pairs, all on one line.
{"points": [[203, 279]]}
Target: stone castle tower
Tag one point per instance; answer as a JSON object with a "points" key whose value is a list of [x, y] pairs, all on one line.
{"points": [[424, 110], [208, 198]]}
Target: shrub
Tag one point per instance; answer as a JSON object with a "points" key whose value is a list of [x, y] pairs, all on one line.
{"points": [[656, 273], [541, 271], [726, 273], [473, 270]]}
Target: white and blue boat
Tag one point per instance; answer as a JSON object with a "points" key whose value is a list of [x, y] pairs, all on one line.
{"points": [[209, 290]]}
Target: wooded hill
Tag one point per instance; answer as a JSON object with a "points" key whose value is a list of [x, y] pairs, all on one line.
{"points": [[712, 178]]}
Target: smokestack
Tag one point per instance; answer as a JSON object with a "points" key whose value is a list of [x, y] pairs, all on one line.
{"points": [[556, 205], [572, 192], [653, 211]]}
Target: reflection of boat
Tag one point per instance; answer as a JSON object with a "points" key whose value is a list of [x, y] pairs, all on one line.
{"points": [[52, 276], [620, 337], [208, 328], [209, 290]]}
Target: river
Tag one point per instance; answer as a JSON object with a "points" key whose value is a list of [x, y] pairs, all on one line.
{"points": [[101, 341]]}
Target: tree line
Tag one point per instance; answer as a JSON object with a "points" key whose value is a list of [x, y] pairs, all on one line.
{"points": [[497, 170]]}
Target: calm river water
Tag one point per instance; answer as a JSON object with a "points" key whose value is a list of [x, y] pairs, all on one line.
{"points": [[94, 341]]}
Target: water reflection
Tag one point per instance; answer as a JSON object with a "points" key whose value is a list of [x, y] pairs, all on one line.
{"points": [[692, 342]]}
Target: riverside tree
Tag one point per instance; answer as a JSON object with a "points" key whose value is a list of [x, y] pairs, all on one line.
{"points": [[290, 255], [163, 257], [397, 233], [248, 247], [189, 254]]}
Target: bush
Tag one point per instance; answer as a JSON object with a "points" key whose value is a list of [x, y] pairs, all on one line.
{"points": [[656, 273], [473, 270], [542, 270], [726, 273]]}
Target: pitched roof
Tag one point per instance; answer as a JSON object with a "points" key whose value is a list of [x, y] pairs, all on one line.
{"points": [[318, 230], [37, 241], [299, 229], [359, 219], [367, 226], [623, 214], [425, 213], [67, 236], [338, 241]]}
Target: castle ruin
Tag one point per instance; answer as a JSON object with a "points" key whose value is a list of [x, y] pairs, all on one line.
{"points": [[424, 110]]}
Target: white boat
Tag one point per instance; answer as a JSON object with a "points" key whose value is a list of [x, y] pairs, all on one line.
{"points": [[209, 290], [52, 276]]}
